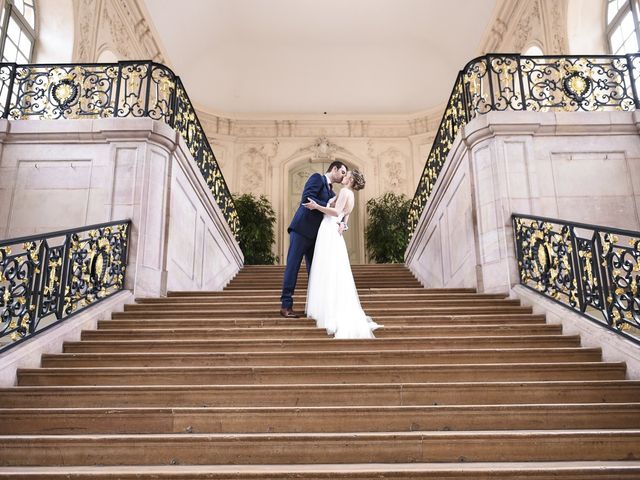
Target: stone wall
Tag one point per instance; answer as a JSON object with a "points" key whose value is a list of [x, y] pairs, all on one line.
{"points": [[70, 173], [265, 157], [582, 167]]}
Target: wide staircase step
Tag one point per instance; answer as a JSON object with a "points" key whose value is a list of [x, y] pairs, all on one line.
{"points": [[216, 385]]}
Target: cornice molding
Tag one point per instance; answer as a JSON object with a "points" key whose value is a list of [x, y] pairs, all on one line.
{"points": [[357, 126]]}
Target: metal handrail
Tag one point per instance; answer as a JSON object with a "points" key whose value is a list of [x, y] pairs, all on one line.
{"points": [[43, 282], [596, 274], [501, 82], [124, 89]]}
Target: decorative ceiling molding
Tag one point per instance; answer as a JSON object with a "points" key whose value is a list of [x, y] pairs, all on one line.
{"points": [[393, 126]]}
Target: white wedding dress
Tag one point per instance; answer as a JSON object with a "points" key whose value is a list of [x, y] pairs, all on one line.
{"points": [[332, 298]]}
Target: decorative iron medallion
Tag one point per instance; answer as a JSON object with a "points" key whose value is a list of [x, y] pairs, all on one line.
{"points": [[541, 256], [99, 266], [65, 92], [577, 86]]}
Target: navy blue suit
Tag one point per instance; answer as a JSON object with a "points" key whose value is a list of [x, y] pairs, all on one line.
{"points": [[303, 231]]}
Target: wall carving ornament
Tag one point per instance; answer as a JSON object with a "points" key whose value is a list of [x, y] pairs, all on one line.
{"points": [[391, 167], [322, 149], [116, 25], [85, 25], [253, 165], [393, 163], [517, 24]]}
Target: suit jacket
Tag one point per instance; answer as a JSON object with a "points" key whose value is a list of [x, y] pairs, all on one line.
{"points": [[307, 222]]}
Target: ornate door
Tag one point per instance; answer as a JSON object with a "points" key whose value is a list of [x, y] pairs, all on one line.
{"points": [[297, 178]]}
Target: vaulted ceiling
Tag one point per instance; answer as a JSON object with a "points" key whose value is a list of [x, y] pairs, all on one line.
{"points": [[313, 56]]}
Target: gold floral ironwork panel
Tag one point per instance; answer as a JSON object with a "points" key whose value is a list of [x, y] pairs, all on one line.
{"points": [[620, 260], [44, 279], [596, 273], [454, 118]]}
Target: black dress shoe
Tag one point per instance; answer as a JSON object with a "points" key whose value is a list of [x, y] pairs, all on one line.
{"points": [[288, 313]]}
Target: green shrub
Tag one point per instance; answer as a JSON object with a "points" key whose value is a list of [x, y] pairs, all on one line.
{"points": [[256, 235], [387, 232]]}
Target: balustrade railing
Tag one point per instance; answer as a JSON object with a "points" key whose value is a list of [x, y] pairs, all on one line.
{"points": [[125, 89], [46, 278], [514, 82], [591, 269]]}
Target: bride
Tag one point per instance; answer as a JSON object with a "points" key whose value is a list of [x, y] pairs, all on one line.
{"points": [[332, 298]]}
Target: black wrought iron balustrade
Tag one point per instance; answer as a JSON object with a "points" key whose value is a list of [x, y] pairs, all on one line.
{"points": [[46, 278], [124, 89], [591, 269], [498, 82]]}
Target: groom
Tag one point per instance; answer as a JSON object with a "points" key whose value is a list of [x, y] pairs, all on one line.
{"points": [[303, 230]]}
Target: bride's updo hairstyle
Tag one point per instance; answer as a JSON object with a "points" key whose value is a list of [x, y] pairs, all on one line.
{"points": [[357, 179]]}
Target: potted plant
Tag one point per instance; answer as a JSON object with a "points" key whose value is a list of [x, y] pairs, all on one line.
{"points": [[387, 232], [256, 233]]}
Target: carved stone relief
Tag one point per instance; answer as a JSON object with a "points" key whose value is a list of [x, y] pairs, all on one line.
{"points": [[322, 149], [85, 19], [393, 168], [518, 24], [116, 25], [116, 31], [529, 20], [253, 165]]}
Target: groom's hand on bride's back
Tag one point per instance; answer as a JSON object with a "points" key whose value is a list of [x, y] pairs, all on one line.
{"points": [[311, 204]]}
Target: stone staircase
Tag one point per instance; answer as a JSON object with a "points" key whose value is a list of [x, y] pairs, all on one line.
{"points": [[216, 385]]}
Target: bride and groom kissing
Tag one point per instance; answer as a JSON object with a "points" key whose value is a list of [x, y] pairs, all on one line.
{"points": [[315, 234]]}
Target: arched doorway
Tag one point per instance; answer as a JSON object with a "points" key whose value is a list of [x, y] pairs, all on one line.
{"points": [[298, 175]]}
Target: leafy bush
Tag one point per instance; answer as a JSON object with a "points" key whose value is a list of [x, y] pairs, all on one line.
{"points": [[387, 233], [256, 235]]}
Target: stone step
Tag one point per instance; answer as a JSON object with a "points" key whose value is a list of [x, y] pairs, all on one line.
{"points": [[598, 470], [322, 374], [337, 394], [360, 285], [301, 292], [343, 419], [321, 448], [357, 274], [122, 321], [274, 318], [323, 357], [240, 311], [323, 344], [219, 378], [312, 332], [230, 296], [274, 304], [274, 285]]}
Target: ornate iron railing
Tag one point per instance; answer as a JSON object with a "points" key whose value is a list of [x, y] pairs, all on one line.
{"points": [[591, 269], [514, 82], [46, 278], [125, 89]]}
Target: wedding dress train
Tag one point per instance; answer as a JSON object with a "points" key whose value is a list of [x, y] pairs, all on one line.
{"points": [[332, 298]]}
